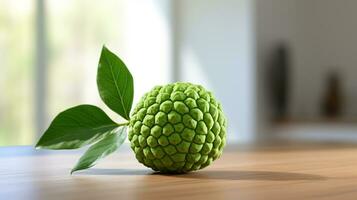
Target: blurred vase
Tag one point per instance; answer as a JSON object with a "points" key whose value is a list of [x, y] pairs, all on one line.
{"points": [[279, 80], [331, 102]]}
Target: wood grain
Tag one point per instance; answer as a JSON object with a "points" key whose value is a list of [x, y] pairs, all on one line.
{"points": [[269, 172]]}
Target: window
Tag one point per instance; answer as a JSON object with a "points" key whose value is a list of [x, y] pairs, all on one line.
{"points": [[74, 32], [16, 71]]}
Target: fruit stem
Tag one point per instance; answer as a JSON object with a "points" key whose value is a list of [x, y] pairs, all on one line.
{"points": [[123, 124]]}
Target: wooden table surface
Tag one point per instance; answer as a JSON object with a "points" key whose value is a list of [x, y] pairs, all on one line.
{"points": [[274, 172]]}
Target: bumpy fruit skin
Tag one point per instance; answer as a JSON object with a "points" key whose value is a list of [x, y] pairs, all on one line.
{"points": [[177, 128]]}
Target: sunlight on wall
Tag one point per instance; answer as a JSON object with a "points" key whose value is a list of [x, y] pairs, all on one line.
{"points": [[217, 51], [192, 63], [147, 42]]}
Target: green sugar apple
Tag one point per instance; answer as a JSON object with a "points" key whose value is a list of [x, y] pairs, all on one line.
{"points": [[177, 128]]}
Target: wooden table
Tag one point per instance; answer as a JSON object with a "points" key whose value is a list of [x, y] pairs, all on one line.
{"points": [[274, 172]]}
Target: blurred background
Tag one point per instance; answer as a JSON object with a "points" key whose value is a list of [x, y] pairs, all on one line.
{"points": [[284, 70]]}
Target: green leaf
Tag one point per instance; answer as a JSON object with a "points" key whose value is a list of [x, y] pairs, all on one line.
{"points": [[76, 127], [101, 149], [115, 83]]}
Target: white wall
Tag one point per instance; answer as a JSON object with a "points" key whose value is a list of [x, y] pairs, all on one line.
{"points": [[216, 49], [147, 46]]}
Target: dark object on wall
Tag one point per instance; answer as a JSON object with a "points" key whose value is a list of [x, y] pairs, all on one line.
{"points": [[331, 102], [279, 80]]}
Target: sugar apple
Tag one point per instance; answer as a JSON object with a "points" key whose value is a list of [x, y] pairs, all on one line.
{"points": [[177, 128]]}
